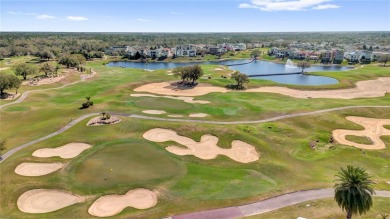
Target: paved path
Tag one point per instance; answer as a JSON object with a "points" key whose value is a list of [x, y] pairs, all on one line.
{"points": [[68, 126], [25, 94], [74, 122], [266, 205]]}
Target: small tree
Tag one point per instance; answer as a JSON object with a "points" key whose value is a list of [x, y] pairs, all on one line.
{"points": [[87, 104], [255, 53], [180, 72], [47, 68], [384, 59], [24, 69], [303, 65], [240, 78], [353, 191]]}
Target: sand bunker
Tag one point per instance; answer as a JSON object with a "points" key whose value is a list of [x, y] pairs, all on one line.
{"points": [[154, 112], [185, 99], [46, 200], [373, 129], [4, 68], [99, 121], [206, 149], [42, 81], [37, 169], [364, 89], [218, 69], [110, 205], [67, 151], [165, 88], [198, 115]]}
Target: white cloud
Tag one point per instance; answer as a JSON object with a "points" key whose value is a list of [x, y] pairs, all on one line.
{"points": [[46, 17], [327, 6], [287, 5], [174, 12], [13, 12], [143, 20], [76, 18]]}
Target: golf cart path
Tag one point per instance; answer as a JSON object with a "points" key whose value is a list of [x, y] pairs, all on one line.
{"points": [[74, 122], [266, 205], [26, 93]]}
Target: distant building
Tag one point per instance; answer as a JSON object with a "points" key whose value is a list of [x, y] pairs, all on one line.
{"points": [[338, 56], [185, 50], [117, 49], [365, 56], [326, 56], [352, 56]]}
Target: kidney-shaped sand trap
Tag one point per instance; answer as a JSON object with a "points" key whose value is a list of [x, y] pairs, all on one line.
{"points": [[206, 149], [110, 205], [46, 200], [364, 89], [67, 151], [373, 128], [185, 99], [37, 169]]}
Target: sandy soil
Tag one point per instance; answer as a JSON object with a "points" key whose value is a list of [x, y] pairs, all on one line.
{"points": [[154, 112], [8, 96], [218, 69], [198, 115], [98, 121], [86, 76], [111, 205], [66, 151], [37, 169], [43, 81], [165, 88], [46, 200], [373, 129], [364, 89], [206, 149], [185, 99], [4, 68]]}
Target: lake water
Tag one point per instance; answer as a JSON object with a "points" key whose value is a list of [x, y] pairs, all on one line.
{"points": [[254, 68]]}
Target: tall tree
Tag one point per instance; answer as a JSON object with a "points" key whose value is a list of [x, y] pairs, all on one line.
{"points": [[353, 191], [195, 73], [24, 70], [303, 65], [8, 81], [384, 59], [47, 68], [255, 53], [240, 78]]}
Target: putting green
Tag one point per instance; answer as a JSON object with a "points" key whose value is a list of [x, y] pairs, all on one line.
{"points": [[124, 163]]}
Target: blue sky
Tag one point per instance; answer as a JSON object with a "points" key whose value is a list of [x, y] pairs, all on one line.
{"points": [[195, 16]]}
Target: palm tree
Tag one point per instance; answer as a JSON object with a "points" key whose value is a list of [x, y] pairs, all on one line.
{"points": [[353, 190]]}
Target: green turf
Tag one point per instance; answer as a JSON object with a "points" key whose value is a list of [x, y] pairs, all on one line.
{"points": [[359, 139], [185, 183], [120, 163]]}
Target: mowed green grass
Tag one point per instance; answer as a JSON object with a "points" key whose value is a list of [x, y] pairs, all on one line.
{"points": [[325, 209], [119, 163], [287, 162], [111, 88], [359, 139]]}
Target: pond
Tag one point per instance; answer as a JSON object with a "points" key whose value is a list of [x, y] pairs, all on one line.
{"points": [[253, 68]]}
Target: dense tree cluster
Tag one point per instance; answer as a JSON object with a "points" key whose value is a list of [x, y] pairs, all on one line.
{"points": [[92, 45], [188, 73], [73, 60]]}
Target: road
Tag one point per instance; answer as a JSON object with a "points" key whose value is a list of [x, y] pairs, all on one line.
{"points": [[266, 205]]}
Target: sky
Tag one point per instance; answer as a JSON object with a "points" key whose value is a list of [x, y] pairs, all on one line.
{"points": [[194, 16]]}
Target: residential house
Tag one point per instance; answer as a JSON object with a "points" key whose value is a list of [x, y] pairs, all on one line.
{"points": [[365, 56], [338, 56], [185, 50], [326, 56], [301, 55], [352, 56]]}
